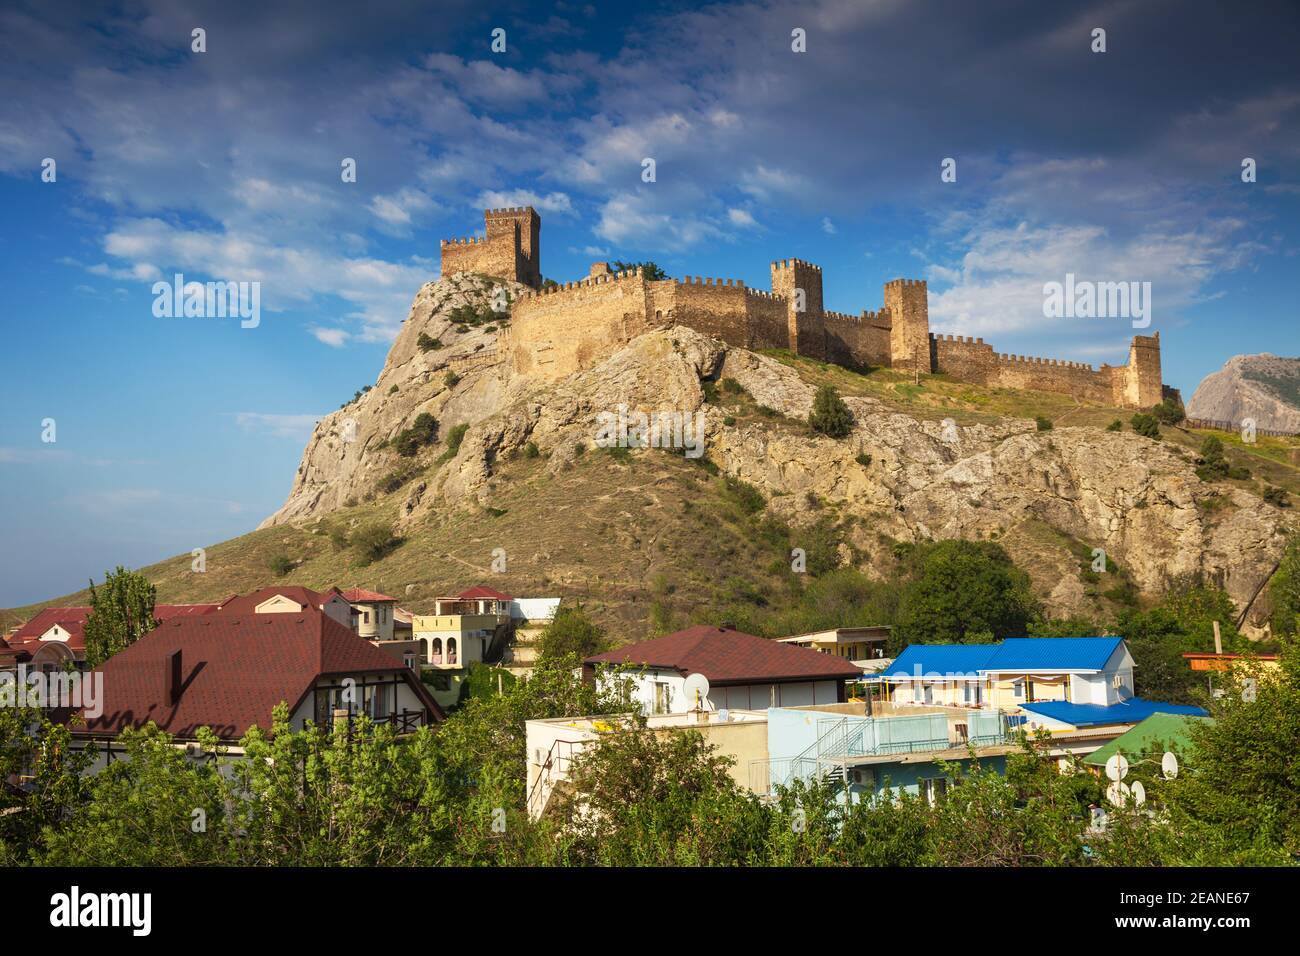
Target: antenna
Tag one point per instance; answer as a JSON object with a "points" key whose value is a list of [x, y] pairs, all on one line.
{"points": [[1117, 767], [1169, 765], [1139, 793], [1118, 793], [696, 687]]}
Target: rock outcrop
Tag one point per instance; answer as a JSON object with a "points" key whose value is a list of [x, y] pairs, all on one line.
{"points": [[1138, 499], [1262, 387]]}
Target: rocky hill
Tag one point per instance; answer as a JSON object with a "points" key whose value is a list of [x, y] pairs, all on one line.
{"points": [[1050, 496], [1263, 387], [462, 461]]}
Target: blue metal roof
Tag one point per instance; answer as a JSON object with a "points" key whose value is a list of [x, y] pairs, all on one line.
{"points": [[1130, 712], [1051, 653], [937, 659], [1012, 654]]}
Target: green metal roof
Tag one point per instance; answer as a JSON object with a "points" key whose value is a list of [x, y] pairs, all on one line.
{"points": [[1148, 737]]}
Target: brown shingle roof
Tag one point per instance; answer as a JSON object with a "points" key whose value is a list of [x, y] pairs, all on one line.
{"points": [[235, 668], [727, 656], [306, 597]]}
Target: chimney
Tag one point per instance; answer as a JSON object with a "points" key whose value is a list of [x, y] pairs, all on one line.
{"points": [[174, 677]]}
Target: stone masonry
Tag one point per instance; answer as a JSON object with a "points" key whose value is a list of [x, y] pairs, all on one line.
{"points": [[560, 329]]}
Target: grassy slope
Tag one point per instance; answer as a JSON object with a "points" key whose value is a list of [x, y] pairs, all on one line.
{"points": [[627, 532]]}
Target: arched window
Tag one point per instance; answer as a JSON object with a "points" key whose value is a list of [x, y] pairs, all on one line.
{"points": [[435, 651], [451, 650]]}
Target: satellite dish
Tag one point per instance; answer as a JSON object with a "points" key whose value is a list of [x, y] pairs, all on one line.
{"points": [[1139, 793], [1169, 765], [696, 687], [1117, 793], [1117, 767]]}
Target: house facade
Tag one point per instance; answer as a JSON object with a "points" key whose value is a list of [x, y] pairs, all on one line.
{"points": [[227, 671], [54, 639], [745, 672], [851, 643], [1011, 673]]}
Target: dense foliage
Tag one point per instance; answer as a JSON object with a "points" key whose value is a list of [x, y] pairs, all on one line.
{"points": [[121, 612]]}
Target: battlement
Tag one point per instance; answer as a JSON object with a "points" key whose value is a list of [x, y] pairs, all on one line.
{"points": [[1033, 360], [563, 327], [792, 263], [510, 249]]}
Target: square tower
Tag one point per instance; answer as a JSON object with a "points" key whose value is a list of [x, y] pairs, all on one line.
{"points": [[908, 302], [800, 284], [522, 227]]}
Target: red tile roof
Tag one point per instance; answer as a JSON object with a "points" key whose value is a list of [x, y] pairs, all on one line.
{"points": [[362, 596], [482, 593], [727, 656], [235, 668], [306, 597], [73, 620]]}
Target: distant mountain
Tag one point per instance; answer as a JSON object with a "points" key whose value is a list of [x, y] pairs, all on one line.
{"points": [[1263, 387]]}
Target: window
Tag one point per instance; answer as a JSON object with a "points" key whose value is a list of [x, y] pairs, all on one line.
{"points": [[663, 698], [451, 650], [435, 651], [365, 617]]}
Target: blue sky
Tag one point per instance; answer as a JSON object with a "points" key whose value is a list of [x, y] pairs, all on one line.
{"points": [[177, 433]]}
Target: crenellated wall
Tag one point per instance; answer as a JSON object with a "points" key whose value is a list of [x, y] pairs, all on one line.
{"points": [[563, 328], [510, 248]]}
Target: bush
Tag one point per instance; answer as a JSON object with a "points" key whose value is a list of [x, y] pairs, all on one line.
{"points": [[1169, 412], [427, 343], [1044, 424], [829, 414], [1115, 426], [1277, 496], [451, 379], [374, 541], [454, 439], [392, 390], [281, 565], [423, 431], [729, 420], [749, 498], [1146, 425], [1214, 464], [530, 450], [863, 459]]}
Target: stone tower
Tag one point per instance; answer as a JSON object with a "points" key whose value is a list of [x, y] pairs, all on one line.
{"points": [[909, 336], [1141, 386], [521, 227], [807, 328]]}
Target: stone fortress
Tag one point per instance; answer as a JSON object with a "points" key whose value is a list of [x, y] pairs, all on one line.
{"points": [[559, 329]]}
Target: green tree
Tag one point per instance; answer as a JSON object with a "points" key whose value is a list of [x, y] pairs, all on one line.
{"points": [[1284, 590], [571, 632], [961, 588], [649, 270], [121, 612], [1169, 412], [829, 415]]}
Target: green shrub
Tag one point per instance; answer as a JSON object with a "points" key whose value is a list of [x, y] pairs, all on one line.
{"points": [[427, 343], [374, 541], [423, 431], [1277, 496], [451, 379], [829, 414], [1044, 424], [392, 390], [530, 450], [1214, 465], [749, 498], [863, 459], [281, 565], [1146, 425], [454, 438], [1169, 412], [729, 420], [1115, 426]]}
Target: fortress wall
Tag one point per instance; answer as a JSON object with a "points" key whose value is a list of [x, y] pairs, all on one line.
{"points": [[856, 340], [716, 307], [494, 256], [1052, 375], [555, 332], [964, 358], [765, 315]]}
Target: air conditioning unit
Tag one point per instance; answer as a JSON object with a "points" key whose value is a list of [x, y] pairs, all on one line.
{"points": [[859, 777]]}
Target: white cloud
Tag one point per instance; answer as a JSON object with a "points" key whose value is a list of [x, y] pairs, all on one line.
{"points": [[333, 337], [828, 227], [281, 426], [630, 220], [741, 218]]}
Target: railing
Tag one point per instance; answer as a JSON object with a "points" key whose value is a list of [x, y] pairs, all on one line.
{"points": [[553, 769], [847, 739]]}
